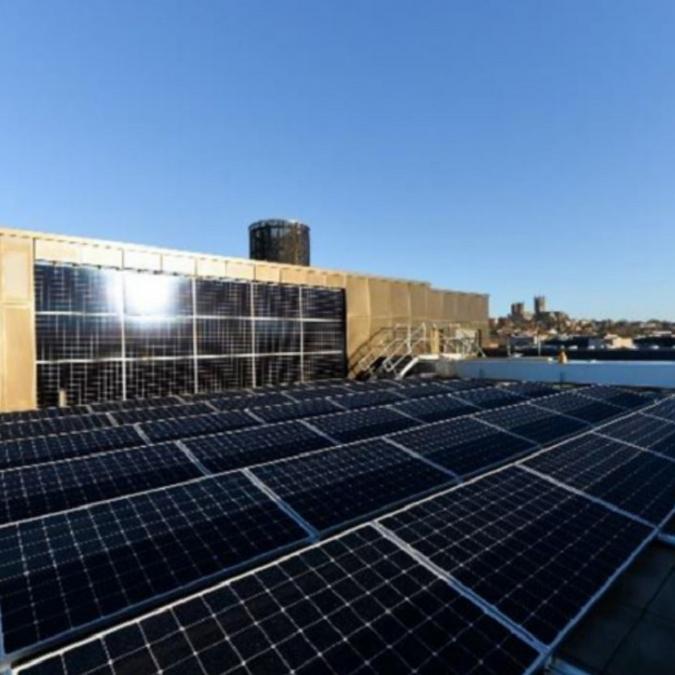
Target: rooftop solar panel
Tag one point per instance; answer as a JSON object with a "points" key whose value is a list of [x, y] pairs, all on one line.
{"points": [[29, 451], [56, 425], [291, 411], [43, 413], [331, 488], [416, 388], [197, 425], [239, 449], [464, 446], [636, 481], [367, 398], [540, 426], [370, 385], [249, 401], [37, 490], [356, 425], [467, 385], [494, 397], [354, 604], [65, 571], [615, 395], [318, 391], [531, 389], [161, 412], [665, 410], [650, 433], [536, 552], [435, 408], [136, 403], [581, 407]]}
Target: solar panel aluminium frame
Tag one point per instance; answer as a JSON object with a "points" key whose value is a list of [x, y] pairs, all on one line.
{"points": [[544, 650], [7, 660]]}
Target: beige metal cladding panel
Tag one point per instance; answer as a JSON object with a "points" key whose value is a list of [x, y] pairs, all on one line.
{"points": [[336, 280], [58, 251], [240, 270], [211, 267], [400, 300], [418, 302], [267, 273], [19, 358], [178, 264], [294, 275], [142, 260], [358, 333], [451, 306], [380, 298], [316, 277], [435, 305], [104, 256], [16, 270], [358, 296]]}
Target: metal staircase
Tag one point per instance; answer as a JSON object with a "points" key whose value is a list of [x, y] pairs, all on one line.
{"points": [[394, 350]]}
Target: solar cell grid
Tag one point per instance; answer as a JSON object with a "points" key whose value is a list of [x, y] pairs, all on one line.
{"points": [[136, 403], [197, 425], [161, 412], [540, 426], [435, 408], [331, 488], [665, 410], [47, 488], [615, 395], [29, 451], [419, 389], [238, 449], [493, 397], [464, 446], [531, 389], [249, 401], [467, 385], [354, 604], [55, 425], [581, 407], [65, 571], [319, 391], [533, 550], [44, 413], [367, 398], [356, 425], [634, 480], [650, 433], [290, 411]]}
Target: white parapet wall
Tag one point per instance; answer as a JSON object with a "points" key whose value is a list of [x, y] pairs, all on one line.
{"points": [[660, 374]]}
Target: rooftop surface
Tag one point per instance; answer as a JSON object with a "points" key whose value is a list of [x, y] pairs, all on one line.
{"points": [[460, 525]]}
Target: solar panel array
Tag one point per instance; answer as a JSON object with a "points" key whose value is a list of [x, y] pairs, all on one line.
{"points": [[131, 534]]}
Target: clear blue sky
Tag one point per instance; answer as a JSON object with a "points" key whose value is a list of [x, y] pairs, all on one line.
{"points": [[504, 147]]}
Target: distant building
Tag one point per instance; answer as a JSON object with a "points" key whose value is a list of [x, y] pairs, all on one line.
{"points": [[518, 310], [539, 305]]}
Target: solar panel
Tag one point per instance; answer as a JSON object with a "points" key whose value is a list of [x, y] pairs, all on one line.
{"points": [[42, 413], [357, 603], [571, 403], [367, 398], [650, 433], [435, 408], [636, 481], [536, 552], [136, 403], [162, 412], [28, 451], [467, 385], [370, 385], [55, 425], [665, 410], [319, 391], [249, 401], [615, 395], [355, 425], [531, 389], [47, 488], [415, 388], [239, 449], [540, 426], [64, 571], [197, 425], [494, 397], [291, 411], [464, 446], [331, 488]]}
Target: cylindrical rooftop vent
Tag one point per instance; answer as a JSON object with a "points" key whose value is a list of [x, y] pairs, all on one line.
{"points": [[279, 240]]}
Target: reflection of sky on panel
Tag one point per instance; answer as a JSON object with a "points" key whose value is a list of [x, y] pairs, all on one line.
{"points": [[158, 295]]}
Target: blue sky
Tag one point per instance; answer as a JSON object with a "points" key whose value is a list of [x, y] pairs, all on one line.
{"points": [[512, 148]]}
